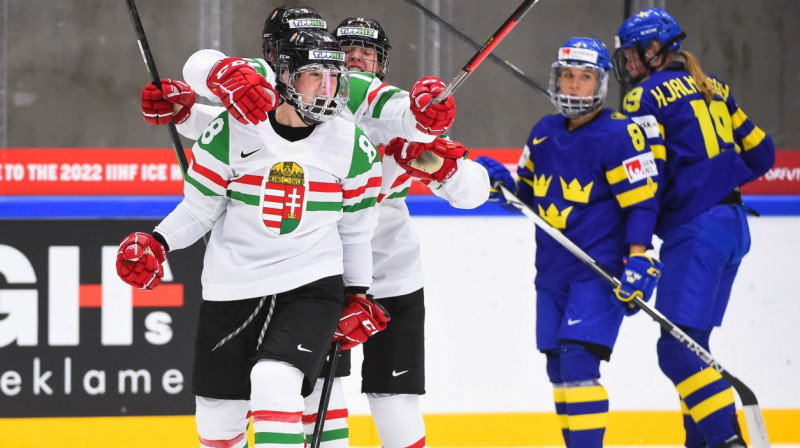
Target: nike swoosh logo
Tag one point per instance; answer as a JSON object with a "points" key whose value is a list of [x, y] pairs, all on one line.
{"points": [[571, 322], [536, 141], [396, 373], [303, 349], [248, 154]]}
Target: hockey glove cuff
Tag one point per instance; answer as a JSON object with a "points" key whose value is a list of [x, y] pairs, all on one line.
{"points": [[639, 279], [360, 319]]}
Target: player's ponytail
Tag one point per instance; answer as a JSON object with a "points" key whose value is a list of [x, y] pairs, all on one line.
{"points": [[703, 81]]}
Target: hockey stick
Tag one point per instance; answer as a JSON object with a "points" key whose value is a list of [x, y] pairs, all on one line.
{"points": [[150, 64], [752, 411], [428, 161], [519, 74], [325, 398], [485, 50]]}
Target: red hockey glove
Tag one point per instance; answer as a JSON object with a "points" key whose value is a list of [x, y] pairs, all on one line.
{"points": [[140, 259], [437, 160], [244, 92], [437, 117], [360, 319], [172, 103]]}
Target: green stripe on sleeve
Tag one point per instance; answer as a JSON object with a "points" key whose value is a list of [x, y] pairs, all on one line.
{"points": [[200, 187], [365, 203], [248, 199], [376, 111], [399, 194]]}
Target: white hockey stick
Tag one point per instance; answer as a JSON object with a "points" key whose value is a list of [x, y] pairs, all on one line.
{"points": [[752, 411]]}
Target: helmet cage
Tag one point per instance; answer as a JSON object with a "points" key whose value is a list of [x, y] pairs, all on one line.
{"points": [[330, 98], [573, 106], [369, 35]]}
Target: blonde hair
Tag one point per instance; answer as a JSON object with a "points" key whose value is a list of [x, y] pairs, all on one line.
{"points": [[703, 82]]}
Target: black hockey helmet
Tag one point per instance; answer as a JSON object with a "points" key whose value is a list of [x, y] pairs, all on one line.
{"points": [[366, 33], [315, 52], [284, 19]]}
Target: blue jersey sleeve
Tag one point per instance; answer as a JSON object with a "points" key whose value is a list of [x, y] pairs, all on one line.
{"points": [[525, 169], [633, 176], [752, 143]]}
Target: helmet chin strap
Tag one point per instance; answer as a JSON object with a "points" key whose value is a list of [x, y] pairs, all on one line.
{"points": [[307, 120]]}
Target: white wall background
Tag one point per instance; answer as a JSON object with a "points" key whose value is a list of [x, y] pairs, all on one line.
{"points": [[481, 354]]}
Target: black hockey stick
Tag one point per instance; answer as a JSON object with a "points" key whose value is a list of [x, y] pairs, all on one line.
{"points": [[325, 398], [519, 74], [752, 411], [150, 64]]}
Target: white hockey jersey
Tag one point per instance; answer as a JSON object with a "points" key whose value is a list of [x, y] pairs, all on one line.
{"points": [[282, 214], [383, 112]]}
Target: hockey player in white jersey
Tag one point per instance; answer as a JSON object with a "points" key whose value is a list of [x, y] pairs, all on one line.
{"points": [[393, 371], [290, 203], [384, 112]]}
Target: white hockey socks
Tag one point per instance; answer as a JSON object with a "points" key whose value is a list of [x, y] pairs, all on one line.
{"points": [[398, 419], [335, 432], [277, 405], [221, 423]]}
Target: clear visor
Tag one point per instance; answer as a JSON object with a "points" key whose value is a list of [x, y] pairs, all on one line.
{"points": [[623, 57], [574, 106], [319, 92]]}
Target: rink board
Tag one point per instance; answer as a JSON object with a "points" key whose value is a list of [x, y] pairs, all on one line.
{"points": [[488, 416], [444, 430]]}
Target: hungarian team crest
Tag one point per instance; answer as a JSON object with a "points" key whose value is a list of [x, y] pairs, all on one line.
{"points": [[284, 196]]}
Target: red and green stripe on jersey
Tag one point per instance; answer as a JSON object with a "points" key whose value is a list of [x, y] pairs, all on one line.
{"points": [[367, 89], [214, 141], [289, 191]]}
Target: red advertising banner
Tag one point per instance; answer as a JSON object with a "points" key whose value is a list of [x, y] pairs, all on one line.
{"points": [[89, 171], [783, 178], [138, 171]]}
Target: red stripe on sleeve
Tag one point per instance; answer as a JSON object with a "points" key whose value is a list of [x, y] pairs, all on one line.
{"points": [[208, 174], [249, 179], [371, 183], [400, 180], [374, 93]]}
